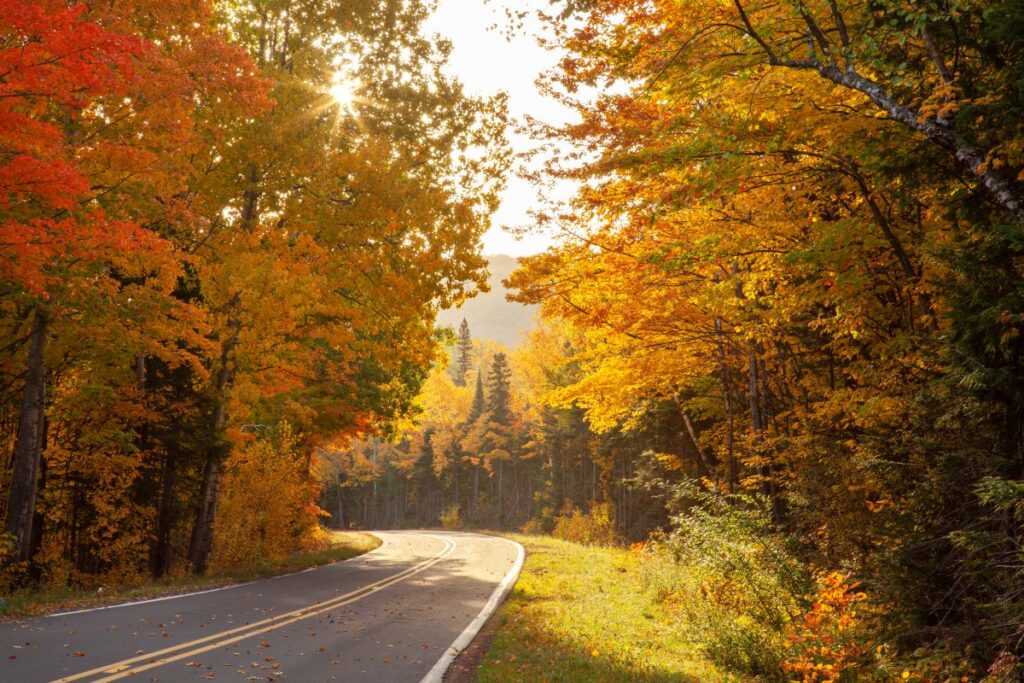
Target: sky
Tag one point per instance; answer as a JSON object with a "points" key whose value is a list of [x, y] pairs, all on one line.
{"points": [[487, 61]]}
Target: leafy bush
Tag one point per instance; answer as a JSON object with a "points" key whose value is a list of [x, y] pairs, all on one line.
{"points": [[532, 526], [827, 645], [450, 517], [267, 508], [10, 572], [739, 591], [732, 583], [1005, 669], [593, 528]]}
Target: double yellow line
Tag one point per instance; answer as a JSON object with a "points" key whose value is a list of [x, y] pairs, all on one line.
{"points": [[151, 660]]}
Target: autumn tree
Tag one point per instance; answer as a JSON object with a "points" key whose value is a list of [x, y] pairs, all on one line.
{"points": [[211, 247], [318, 177], [479, 401], [67, 60], [87, 200], [793, 232]]}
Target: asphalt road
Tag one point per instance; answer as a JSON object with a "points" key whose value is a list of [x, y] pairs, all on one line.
{"points": [[389, 615]]}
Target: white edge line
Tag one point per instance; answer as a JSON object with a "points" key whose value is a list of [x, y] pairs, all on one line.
{"points": [[436, 674], [382, 545]]}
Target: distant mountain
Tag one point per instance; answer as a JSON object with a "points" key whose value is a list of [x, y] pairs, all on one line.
{"points": [[490, 315]]}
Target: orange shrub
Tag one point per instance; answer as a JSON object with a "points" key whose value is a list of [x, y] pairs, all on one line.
{"points": [[594, 528], [823, 646], [267, 508]]}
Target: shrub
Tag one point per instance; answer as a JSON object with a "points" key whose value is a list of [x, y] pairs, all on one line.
{"points": [[740, 592], [532, 526], [826, 645], [1005, 669], [732, 583], [593, 528], [266, 509], [450, 518], [10, 572]]}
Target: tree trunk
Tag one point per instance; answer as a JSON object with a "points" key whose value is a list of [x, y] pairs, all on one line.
{"points": [[501, 496], [709, 464], [759, 422], [730, 430], [476, 489], [38, 521], [28, 448], [201, 541], [161, 556], [341, 501]]}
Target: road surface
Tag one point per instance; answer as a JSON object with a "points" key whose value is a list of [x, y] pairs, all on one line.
{"points": [[392, 615]]}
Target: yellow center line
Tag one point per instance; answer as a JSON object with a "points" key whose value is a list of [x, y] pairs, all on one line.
{"points": [[125, 667]]}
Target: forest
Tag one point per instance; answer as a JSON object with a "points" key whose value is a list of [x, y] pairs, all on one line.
{"points": [[779, 347], [210, 266]]}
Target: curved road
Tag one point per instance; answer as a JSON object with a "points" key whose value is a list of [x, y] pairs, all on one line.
{"points": [[395, 614]]}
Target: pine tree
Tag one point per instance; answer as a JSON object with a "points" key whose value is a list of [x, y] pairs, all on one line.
{"points": [[498, 390], [423, 475], [465, 353], [479, 403]]}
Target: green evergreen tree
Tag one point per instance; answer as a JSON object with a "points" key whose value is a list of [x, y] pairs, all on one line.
{"points": [[479, 402], [465, 354], [499, 386]]}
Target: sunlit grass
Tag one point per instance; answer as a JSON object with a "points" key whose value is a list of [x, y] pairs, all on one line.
{"points": [[25, 602], [582, 614]]}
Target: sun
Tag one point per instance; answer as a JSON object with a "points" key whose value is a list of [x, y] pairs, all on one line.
{"points": [[343, 90]]}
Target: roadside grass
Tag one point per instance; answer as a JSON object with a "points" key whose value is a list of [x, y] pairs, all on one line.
{"points": [[581, 613], [28, 602]]}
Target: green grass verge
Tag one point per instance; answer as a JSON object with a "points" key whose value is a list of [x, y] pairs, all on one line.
{"points": [[581, 613], [27, 602]]}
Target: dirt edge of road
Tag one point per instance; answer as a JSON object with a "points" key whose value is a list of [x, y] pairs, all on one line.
{"points": [[463, 669]]}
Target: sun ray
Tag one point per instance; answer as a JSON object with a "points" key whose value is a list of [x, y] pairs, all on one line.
{"points": [[344, 91]]}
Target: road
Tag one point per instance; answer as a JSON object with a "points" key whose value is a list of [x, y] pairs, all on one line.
{"points": [[392, 615]]}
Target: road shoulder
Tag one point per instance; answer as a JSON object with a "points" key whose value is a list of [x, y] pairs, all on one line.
{"points": [[465, 640], [463, 669]]}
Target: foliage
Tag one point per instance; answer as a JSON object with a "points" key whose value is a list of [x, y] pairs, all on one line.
{"points": [[502, 451], [593, 528], [797, 228], [824, 646], [266, 511], [464, 354], [202, 246], [733, 586], [450, 518], [791, 288]]}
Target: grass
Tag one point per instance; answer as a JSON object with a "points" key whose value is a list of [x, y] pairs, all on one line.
{"points": [[27, 602], [581, 613]]}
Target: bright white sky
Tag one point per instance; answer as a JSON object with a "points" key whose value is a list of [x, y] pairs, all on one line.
{"points": [[487, 62]]}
